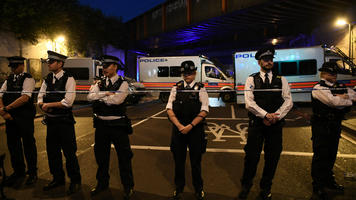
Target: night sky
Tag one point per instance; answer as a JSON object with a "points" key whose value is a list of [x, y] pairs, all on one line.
{"points": [[128, 9]]}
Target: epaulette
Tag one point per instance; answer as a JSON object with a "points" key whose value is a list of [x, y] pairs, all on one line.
{"points": [[200, 84], [254, 74], [180, 83]]}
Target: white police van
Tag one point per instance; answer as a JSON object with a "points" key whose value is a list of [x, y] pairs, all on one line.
{"points": [[85, 70], [161, 73], [299, 66]]}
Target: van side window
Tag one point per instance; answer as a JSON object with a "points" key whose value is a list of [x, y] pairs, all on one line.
{"points": [[174, 71], [163, 72], [80, 73], [289, 68], [307, 67], [212, 72]]}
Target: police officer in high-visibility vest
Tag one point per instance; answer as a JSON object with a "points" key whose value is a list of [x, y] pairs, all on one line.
{"points": [[17, 108], [187, 107], [111, 126], [330, 102], [56, 98], [267, 109]]}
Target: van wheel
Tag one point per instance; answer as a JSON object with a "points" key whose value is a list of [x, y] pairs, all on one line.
{"points": [[227, 96], [163, 96]]}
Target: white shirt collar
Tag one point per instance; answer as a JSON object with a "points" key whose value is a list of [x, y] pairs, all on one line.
{"points": [[113, 79], [262, 74], [327, 82], [191, 84], [58, 75]]}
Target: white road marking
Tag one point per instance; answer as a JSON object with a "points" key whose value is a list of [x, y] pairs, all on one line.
{"points": [[140, 122], [233, 112], [348, 138]]}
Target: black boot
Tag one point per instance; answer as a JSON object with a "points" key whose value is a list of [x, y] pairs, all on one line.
{"points": [[32, 178], [53, 184], [14, 178], [98, 189], [265, 195], [128, 194], [335, 187], [200, 195], [244, 192], [177, 194], [319, 194], [74, 187]]}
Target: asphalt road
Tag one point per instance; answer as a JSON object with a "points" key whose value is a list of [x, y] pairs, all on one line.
{"points": [[222, 164]]}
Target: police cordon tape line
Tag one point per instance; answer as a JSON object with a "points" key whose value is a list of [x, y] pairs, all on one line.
{"points": [[188, 91]]}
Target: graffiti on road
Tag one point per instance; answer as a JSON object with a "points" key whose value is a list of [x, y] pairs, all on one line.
{"points": [[218, 131]]}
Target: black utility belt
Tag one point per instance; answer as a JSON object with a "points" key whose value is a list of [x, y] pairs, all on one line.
{"points": [[329, 117], [124, 122]]}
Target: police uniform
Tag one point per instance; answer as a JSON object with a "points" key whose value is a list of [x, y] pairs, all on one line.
{"points": [[186, 106], [111, 126], [20, 129], [258, 104], [328, 113], [60, 122]]}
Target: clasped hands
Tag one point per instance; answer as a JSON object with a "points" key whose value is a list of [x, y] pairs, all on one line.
{"points": [[271, 118], [5, 114]]}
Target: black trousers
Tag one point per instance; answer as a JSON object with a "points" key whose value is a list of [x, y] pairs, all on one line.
{"points": [[20, 142], [196, 142], [61, 137], [325, 137], [271, 137], [104, 137]]}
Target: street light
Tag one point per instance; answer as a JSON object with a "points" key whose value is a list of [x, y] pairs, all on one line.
{"points": [[274, 41], [343, 22]]}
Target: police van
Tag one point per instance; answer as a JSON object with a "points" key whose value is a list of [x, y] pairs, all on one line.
{"points": [[85, 70], [299, 66], [161, 73]]}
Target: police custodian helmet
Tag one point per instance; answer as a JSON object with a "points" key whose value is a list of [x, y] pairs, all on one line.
{"points": [[188, 67], [329, 67], [266, 52]]}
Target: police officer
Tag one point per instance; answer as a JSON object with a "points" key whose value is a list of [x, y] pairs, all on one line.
{"points": [[187, 111], [112, 126], [330, 102], [56, 98], [267, 109], [17, 108]]}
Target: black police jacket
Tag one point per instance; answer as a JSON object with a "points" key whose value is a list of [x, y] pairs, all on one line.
{"points": [[187, 104], [14, 88], [321, 110], [270, 101], [56, 92], [102, 109]]}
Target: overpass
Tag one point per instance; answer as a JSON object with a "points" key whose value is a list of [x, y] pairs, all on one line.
{"points": [[178, 25]]}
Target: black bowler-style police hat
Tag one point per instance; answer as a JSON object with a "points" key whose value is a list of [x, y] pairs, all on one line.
{"points": [[187, 67], [107, 60], [14, 61], [266, 52], [329, 67], [55, 56]]}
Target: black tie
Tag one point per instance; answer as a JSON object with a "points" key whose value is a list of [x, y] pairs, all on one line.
{"points": [[110, 83], [187, 87], [266, 80], [55, 79]]}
